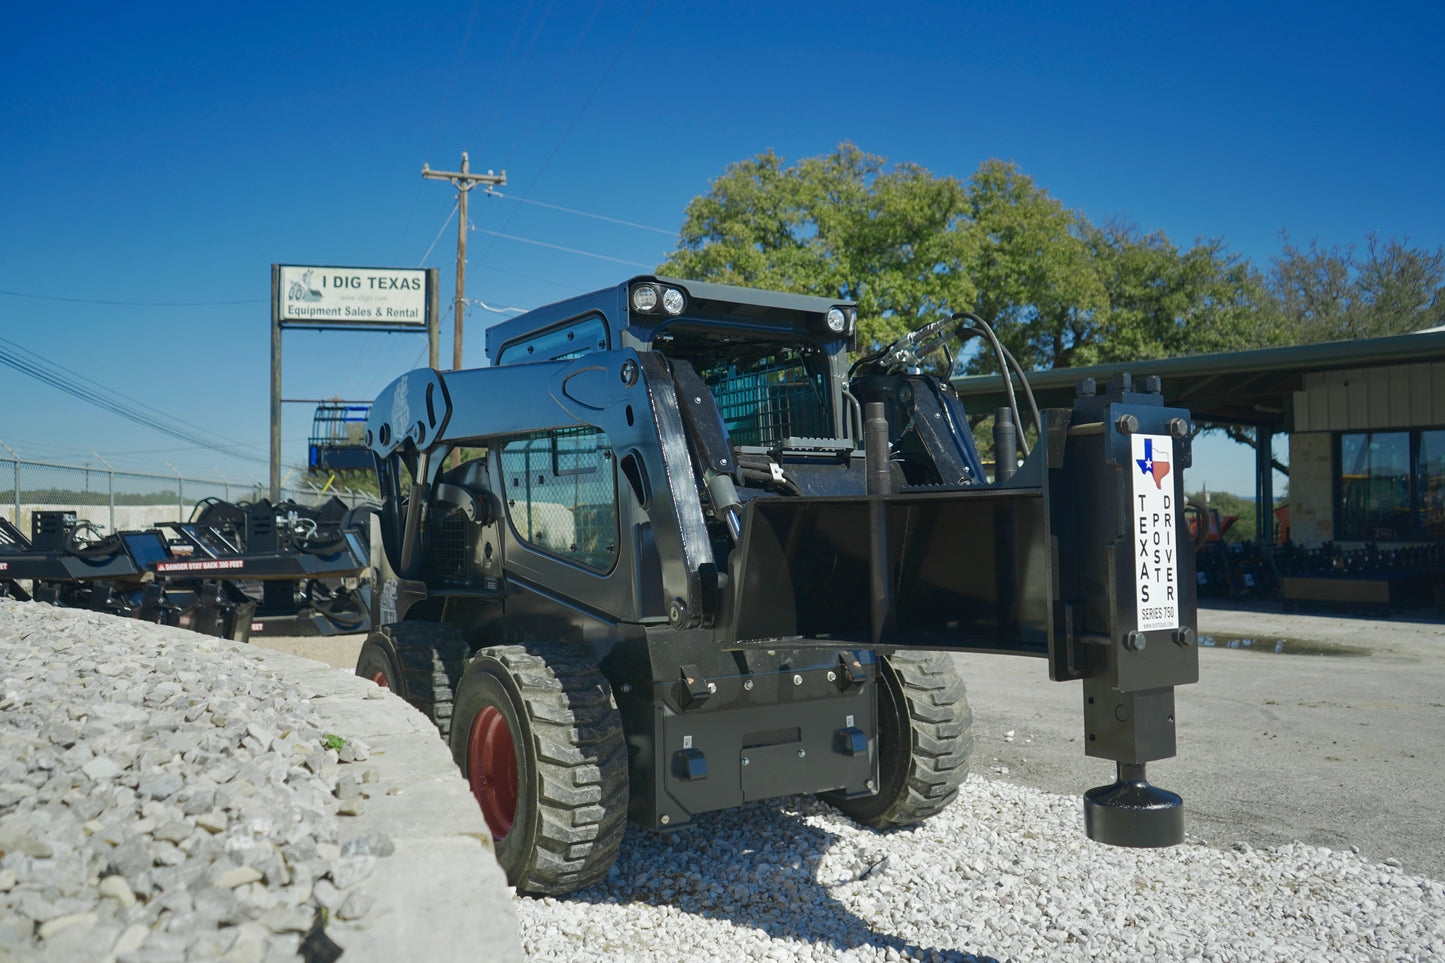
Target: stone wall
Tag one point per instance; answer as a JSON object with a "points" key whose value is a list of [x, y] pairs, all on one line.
{"points": [[1311, 488]]}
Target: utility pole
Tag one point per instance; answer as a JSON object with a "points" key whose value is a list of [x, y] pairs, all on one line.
{"points": [[464, 181]]}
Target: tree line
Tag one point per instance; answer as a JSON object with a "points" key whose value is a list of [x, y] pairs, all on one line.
{"points": [[1059, 289]]}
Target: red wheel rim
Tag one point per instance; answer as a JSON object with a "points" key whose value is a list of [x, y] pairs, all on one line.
{"points": [[379, 678], [492, 770]]}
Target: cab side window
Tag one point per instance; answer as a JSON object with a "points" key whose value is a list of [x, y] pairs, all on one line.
{"points": [[561, 493], [563, 343]]}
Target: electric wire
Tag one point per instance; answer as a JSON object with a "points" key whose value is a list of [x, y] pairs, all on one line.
{"points": [[577, 117], [47, 377], [504, 70], [455, 206], [136, 304], [569, 250], [571, 210], [532, 277], [446, 100], [105, 394], [557, 77]]}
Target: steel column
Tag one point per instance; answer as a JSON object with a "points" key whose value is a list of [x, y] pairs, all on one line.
{"points": [[1263, 485]]}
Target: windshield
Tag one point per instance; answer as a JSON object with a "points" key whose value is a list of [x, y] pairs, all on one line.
{"points": [[767, 390]]}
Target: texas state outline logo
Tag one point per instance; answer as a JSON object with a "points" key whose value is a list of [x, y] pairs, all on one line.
{"points": [[1149, 465]]}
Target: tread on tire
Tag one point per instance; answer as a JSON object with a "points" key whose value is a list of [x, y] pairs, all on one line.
{"points": [[925, 739], [571, 762]]}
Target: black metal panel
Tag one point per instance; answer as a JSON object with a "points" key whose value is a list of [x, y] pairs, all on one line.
{"points": [[1092, 522], [972, 571], [761, 734]]}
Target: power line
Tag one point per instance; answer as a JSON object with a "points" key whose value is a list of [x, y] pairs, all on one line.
{"points": [[439, 235], [532, 277], [570, 210], [165, 424], [500, 103], [557, 77], [109, 392], [578, 116], [136, 304], [447, 99], [569, 250]]}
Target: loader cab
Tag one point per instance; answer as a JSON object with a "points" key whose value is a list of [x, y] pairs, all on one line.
{"points": [[776, 363]]}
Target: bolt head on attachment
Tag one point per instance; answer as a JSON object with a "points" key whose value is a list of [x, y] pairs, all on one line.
{"points": [[1135, 641], [797, 680], [1127, 424], [1184, 636]]}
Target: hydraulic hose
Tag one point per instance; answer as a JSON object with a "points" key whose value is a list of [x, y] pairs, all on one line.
{"points": [[1003, 366]]}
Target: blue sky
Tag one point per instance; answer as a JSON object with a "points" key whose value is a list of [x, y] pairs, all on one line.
{"points": [[161, 157]]}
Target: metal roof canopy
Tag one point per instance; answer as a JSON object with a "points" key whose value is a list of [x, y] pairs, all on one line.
{"points": [[1237, 387]]}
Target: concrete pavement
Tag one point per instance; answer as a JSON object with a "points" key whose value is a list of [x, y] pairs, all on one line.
{"points": [[1334, 738]]}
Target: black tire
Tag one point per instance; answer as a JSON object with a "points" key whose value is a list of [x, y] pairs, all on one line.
{"points": [[570, 762], [925, 737], [428, 659], [378, 662]]}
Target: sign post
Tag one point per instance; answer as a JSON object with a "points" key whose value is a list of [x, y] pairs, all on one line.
{"points": [[322, 298]]}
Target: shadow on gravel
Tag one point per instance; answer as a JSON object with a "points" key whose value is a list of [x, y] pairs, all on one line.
{"points": [[762, 866]]}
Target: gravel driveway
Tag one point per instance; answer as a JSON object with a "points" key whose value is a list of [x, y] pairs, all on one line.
{"points": [[1332, 738]]}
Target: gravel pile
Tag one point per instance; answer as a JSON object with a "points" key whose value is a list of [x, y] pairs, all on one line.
{"points": [[1005, 874], [162, 798]]}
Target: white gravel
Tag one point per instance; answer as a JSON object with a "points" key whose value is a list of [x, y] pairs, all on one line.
{"points": [[1005, 873], [162, 798]]}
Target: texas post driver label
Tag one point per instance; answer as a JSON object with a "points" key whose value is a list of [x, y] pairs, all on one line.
{"points": [[1155, 548]]}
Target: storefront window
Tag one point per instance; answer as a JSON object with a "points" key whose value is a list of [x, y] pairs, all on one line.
{"points": [[1391, 485], [1431, 483]]}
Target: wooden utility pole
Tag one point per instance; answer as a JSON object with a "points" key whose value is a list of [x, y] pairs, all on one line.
{"points": [[464, 181]]}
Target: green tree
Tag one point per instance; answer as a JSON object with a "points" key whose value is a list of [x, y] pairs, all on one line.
{"points": [[1333, 294], [1037, 284], [845, 225], [1164, 303]]}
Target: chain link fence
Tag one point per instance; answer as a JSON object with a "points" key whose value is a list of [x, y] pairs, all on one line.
{"points": [[114, 501]]}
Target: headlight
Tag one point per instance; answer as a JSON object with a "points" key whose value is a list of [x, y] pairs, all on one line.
{"points": [[836, 322], [644, 298], [672, 301]]}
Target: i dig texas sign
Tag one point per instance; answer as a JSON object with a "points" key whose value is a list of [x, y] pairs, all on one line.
{"points": [[1156, 550]]}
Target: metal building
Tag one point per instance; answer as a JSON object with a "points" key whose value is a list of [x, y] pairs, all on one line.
{"points": [[1365, 419]]}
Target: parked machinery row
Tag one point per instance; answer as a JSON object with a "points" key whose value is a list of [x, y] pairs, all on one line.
{"points": [[231, 570]]}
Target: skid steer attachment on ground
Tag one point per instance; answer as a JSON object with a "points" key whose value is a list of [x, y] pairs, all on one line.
{"points": [[676, 504], [232, 570]]}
